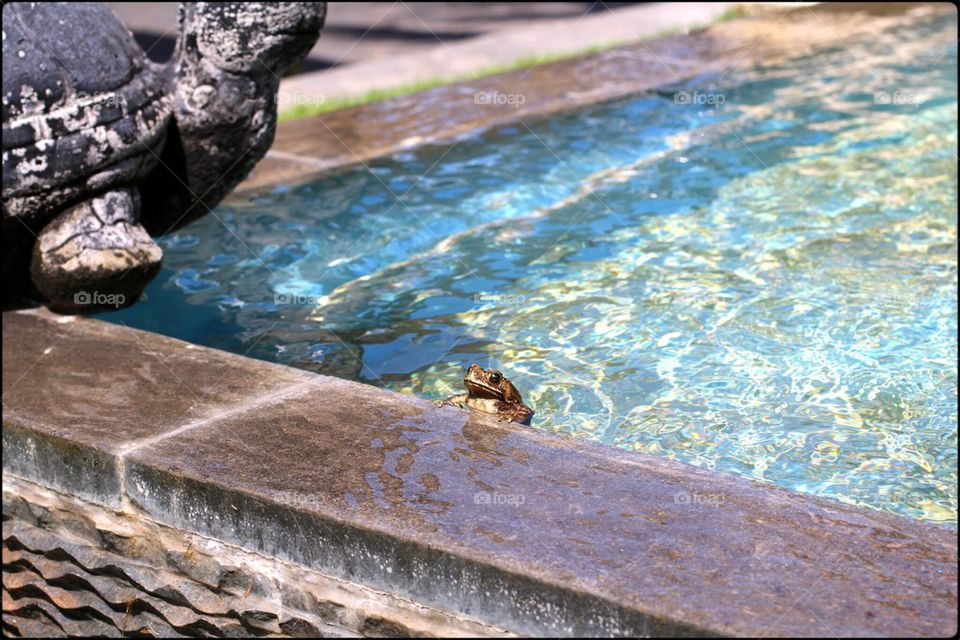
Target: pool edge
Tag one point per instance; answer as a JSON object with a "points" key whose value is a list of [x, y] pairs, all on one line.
{"points": [[312, 146], [157, 477]]}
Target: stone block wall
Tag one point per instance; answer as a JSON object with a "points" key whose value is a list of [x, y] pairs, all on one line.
{"points": [[71, 568]]}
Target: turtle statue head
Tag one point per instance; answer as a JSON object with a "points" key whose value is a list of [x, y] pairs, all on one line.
{"points": [[104, 150], [240, 36]]}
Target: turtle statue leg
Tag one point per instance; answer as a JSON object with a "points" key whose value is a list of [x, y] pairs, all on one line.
{"points": [[229, 59], [95, 255]]}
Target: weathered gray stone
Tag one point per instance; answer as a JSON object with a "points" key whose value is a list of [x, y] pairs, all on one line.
{"points": [[99, 243], [88, 120], [110, 591], [230, 59], [62, 463]]}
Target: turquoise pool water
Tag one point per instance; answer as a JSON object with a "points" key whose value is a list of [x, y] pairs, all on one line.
{"points": [[761, 279]]}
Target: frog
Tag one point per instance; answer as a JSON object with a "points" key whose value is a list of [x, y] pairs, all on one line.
{"points": [[489, 391]]}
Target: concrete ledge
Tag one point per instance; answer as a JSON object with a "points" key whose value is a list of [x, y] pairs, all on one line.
{"points": [[502, 47], [307, 146], [531, 533]]}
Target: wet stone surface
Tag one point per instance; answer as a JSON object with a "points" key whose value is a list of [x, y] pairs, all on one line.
{"points": [[71, 567], [507, 525], [89, 390], [109, 386]]}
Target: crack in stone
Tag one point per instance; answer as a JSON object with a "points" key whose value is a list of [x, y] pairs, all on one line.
{"points": [[266, 399]]}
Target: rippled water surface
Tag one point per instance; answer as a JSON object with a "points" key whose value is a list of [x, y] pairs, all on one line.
{"points": [[762, 281]]}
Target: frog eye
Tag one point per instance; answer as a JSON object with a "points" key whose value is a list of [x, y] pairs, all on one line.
{"points": [[495, 377]]}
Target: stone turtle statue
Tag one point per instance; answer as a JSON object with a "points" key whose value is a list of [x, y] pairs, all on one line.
{"points": [[104, 150]]}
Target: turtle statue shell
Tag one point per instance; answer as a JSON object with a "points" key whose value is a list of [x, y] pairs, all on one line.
{"points": [[104, 150]]}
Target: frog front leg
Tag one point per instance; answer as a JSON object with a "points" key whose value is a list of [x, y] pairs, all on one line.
{"points": [[515, 413], [460, 398]]}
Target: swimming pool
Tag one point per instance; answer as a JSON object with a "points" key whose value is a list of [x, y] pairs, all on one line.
{"points": [[754, 272]]}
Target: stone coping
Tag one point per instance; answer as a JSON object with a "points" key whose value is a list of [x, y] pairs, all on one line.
{"points": [[306, 147], [534, 533], [597, 26]]}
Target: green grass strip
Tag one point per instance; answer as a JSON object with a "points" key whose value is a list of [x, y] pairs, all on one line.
{"points": [[526, 62]]}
